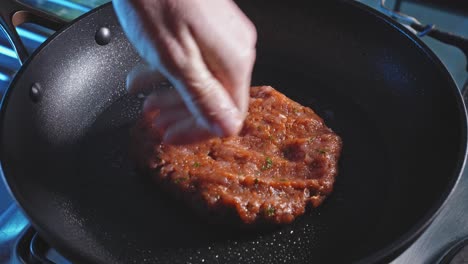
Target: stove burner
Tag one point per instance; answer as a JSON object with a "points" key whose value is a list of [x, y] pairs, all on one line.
{"points": [[457, 254], [32, 249], [421, 30]]}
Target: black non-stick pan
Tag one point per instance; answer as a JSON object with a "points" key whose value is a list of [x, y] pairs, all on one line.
{"points": [[64, 136]]}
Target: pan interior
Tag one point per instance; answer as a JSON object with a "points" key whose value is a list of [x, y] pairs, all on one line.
{"points": [[66, 160]]}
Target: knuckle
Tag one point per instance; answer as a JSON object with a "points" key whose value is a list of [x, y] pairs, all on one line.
{"points": [[246, 48], [202, 90], [252, 34], [248, 33]]}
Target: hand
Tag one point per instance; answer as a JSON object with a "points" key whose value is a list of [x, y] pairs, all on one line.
{"points": [[206, 49]]}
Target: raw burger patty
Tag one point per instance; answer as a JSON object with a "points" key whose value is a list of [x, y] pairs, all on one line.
{"points": [[284, 159]]}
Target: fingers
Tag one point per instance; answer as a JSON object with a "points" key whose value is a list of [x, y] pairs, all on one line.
{"points": [[174, 120], [170, 106], [205, 96], [185, 132], [144, 80], [206, 49], [228, 51], [171, 117], [174, 116]]}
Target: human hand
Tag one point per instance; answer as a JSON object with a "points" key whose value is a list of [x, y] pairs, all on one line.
{"points": [[206, 49]]}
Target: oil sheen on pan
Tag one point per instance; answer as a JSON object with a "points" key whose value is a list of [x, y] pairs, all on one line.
{"points": [[283, 161]]}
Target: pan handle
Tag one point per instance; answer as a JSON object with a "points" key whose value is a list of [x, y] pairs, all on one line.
{"points": [[13, 13], [422, 30]]}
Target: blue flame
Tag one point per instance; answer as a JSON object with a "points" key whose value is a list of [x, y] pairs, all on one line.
{"points": [[8, 52], [30, 35], [12, 223], [70, 5], [4, 77]]}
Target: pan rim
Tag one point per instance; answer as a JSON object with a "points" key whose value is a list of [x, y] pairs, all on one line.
{"points": [[394, 249], [58, 243], [388, 252]]}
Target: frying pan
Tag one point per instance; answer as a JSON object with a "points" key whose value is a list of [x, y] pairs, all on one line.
{"points": [[64, 136]]}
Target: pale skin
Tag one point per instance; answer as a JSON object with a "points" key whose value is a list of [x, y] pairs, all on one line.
{"points": [[206, 49]]}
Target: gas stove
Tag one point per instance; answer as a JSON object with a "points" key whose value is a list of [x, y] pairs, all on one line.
{"points": [[446, 239]]}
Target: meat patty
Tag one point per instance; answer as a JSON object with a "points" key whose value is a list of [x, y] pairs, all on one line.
{"points": [[284, 158]]}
